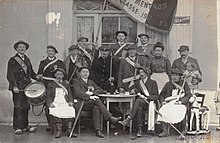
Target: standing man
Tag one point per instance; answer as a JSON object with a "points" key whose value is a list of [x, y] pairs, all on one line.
{"points": [[46, 68], [19, 74], [144, 49], [87, 90], [88, 53], [128, 69], [119, 48], [181, 62], [102, 67], [73, 62]]}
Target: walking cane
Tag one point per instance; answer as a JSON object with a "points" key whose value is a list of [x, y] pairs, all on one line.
{"points": [[77, 117]]}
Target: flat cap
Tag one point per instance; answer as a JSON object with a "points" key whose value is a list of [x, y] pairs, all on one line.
{"points": [[52, 47], [123, 32], [21, 42], [81, 38], [183, 48]]}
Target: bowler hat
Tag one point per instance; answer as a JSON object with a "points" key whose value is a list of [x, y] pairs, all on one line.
{"points": [[82, 37], [176, 71], [183, 48], [52, 47], [73, 47], [158, 44], [143, 34], [21, 42], [123, 32]]}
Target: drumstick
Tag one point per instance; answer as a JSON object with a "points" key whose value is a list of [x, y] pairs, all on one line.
{"points": [[29, 90]]}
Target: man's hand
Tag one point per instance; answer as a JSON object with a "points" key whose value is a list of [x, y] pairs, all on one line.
{"points": [[52, 105], [195, 81], [39, 77], [93, 97], [132, 92], [121, 90], [15, 90], [89, 93], [70, 104], [191, 99], [163, 103], [137, 65]]}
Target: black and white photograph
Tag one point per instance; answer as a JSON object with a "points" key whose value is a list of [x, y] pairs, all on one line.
{"points": [[103, 71]]}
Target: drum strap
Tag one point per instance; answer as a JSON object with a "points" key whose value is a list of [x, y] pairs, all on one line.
{"points": [[50, 63], [21, 63], [65, 90], [119, 49]]}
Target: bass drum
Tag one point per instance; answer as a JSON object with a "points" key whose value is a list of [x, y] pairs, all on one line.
{"points": [[36, 93]]}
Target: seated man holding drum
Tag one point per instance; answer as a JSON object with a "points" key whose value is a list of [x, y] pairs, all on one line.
{"points": [[60, 101], [147, 92]]}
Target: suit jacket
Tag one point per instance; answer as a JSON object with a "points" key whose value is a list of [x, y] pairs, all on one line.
{"points": [[51, 91], [49, 72], [126, 70], [80, 59], [16, 76], [151, 86], [148, 53], [122, 53], [80, 88], [101, 72], [180, 65], [167, 92]]}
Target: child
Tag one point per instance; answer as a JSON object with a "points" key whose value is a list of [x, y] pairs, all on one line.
{"points": [[193, 76], [60, 101]]}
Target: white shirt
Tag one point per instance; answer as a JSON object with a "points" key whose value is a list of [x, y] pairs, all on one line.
{"points": [[184, 60], [51, 59], [73, 58], [145, 80], [145, 45], [22, 56], [86, 80]]}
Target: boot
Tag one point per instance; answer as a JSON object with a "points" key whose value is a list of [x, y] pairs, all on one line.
{"points": [[126, 121], [58, 128], [139, 132], [165, 130]]}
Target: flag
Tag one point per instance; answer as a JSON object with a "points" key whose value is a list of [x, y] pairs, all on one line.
{"points": [[158, 14]]}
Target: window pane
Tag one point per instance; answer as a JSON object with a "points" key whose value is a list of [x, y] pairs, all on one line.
{"points": [[130, 26], [109, 27], [85, 27]]}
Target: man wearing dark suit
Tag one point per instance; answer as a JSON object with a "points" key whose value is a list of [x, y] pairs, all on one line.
{"points": [[19, 74], [147, 90], [85, 89], [128, 68], [145, 49], [181, 62], [101, 67], [46, 69]]}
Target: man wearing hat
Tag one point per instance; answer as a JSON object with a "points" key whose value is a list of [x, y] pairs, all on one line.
{"points": [[19, 74], [73, 62], [169, 93], [46, 69], [102, 67], [128, 68], [147, 90], [119, 47], [87, 90], [160, 66], [181, 62], [59, 100], [144, 49], [88, 53]]}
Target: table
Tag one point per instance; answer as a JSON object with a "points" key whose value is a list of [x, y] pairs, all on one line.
{"points": [[118, 98]]}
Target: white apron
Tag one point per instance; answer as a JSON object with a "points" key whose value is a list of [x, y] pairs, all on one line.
{"points": [[161, 79], [61, 109]]}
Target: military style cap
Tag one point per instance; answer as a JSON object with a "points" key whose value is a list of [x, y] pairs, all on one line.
{"points": [[104, 48], [73, 47], [21, 42], [183, 48], [83, 67], [143, 34], [176, 71], [81, 38], [52, 47], [123, 32], [158, 44], [60, 69]]}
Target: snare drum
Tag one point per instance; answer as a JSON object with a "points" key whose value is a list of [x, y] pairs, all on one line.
{"points": [[36, 93]]}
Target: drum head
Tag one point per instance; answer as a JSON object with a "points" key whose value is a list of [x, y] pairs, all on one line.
{"points": [[35, 90]]}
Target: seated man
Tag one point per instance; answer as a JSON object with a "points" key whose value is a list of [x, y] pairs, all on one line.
{"points": [[60, 101], [85, 89], [147, 91], [174, 98]]}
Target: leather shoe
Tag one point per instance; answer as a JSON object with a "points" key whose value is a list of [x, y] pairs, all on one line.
{"points": [[139, 132], [114, 120], [99, 134], [126, 121]]}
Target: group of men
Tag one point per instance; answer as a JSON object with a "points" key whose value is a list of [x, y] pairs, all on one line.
{"points": [[87, 72]]}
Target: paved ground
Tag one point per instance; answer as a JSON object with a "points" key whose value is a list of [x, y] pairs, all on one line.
{"points": [[87, 136]]}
